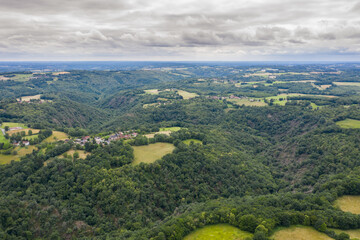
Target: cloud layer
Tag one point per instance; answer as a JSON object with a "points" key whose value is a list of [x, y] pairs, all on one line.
{"points": [[179, 30]]}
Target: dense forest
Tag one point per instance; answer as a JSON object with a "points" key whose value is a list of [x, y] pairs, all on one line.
{"points": [[263, 152]]}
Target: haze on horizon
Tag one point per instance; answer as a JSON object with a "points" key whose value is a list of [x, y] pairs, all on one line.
{"points": [[228, 30]]}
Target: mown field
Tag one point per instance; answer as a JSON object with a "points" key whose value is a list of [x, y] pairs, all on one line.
{"points": [[12, 124], [218, 232], [349, 123], [299, 233], [348, 84], [152, 152], [28, 98], [349, 204]]}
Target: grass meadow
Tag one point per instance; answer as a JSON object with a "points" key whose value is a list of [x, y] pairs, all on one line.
{"points": [[152, 152], [218, 232], [349, 123]]}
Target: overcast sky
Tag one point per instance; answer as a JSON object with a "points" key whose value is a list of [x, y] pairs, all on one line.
{"points": [[179, 30]]}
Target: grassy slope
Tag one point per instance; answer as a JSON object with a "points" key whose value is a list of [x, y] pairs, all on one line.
{"points": [[187, 95], [152, 152], [218, 232], [349, 123], [349, 204]]}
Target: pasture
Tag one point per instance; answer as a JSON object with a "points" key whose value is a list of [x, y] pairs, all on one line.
{"points": [[22, 151], [218, 232], [152, 152], [349, 123], [248, 102], [186, 95], [56, 136], [349, 204], [188, 141], [299, 233]]}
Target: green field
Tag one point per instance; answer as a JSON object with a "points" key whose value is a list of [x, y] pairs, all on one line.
{"points": [[349, 204], [31, 137], [299, 233], [172, 129], [152, 152], [188, 141], [21, 77], [349, 123], [247, 102], [218, 232], [186, 95], [2, 138]]}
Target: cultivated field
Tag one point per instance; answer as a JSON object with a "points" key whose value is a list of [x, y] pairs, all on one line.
{"points": [[247, 102], [186, 95], [349, 123], [218, 232], [349, 204], [22, 151], [299, 233], [188, 141], [166, 131], [152, 152], [56, 136]]}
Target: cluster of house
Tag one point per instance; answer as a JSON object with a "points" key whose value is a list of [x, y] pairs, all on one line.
{"points": [[122, 135], [222, 98], [21, 143], [99, 140]]}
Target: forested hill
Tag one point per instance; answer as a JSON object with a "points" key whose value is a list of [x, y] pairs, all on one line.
{"points": [[155, 155]]}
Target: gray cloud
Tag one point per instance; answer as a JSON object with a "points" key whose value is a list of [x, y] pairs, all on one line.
{"points": [[172, 30]]}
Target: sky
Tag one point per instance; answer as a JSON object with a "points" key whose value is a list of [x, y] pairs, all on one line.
{"points": [[180, 30]]}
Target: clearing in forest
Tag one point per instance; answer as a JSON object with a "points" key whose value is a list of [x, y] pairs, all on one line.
{"points": [[152, 152], [28, 98], [82, 153], [56, 136], [349, 204], [188, 141], [349, 123], [218, 232], [299, 233]]}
